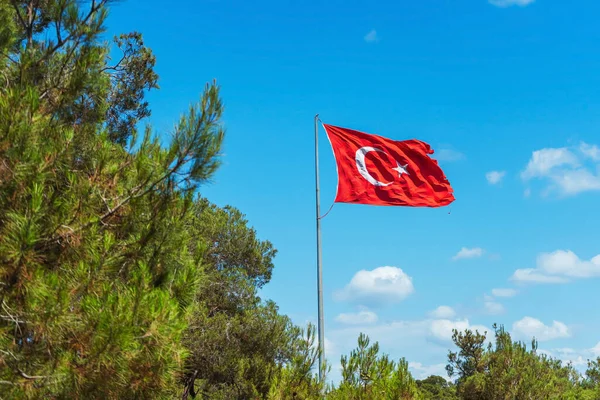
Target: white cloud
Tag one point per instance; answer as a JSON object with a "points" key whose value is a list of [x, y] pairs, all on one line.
{"points": [[442, 328], [389, 334], [565, 169], [448, 155], [577, 357], [573, 356], [508, 3], [558, 267], [381, 285], [530, 275], [577, 362], [494, 177], [371, 36], [590, 151], [529, 327], [443, 312], [596, 350], [360, 318], [543, 161], [567, 355], [420, 371], [576, 181], [493, 307], [468, 253], [500, 292], [425, 340], [568, 264], [330, 347]]}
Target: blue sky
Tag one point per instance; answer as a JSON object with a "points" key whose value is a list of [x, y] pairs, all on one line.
{"points": [[506, 92]]}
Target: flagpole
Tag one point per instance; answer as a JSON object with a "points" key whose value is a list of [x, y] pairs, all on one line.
{"points": [[319, 270]]}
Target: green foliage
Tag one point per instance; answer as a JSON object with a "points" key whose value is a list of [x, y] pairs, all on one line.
{"points": [[235, 356], [368, 375], [593, 373], [297, 379], [116, 279], [230, 248], [55, 46], [97, 270], [469, 359], [119, 281], [437, 388], [236, 341], [130, 76], [508, 370]]}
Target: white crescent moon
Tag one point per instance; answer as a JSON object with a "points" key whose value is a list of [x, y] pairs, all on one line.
{"points": [[362, 168]]}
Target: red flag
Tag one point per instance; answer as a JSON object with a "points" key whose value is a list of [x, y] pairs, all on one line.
{"points": [[380, 171]]}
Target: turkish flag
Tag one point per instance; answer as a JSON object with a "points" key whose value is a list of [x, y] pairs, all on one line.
{"points": [[380, 171]]}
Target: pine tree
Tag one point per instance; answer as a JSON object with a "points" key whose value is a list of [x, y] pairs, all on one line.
{"points": [[117, 279], [97, 274], [238, 344], [367, 375], [508, 370]]}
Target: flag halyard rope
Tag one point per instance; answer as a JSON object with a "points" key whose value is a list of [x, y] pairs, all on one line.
{"points": [[324, 215]]}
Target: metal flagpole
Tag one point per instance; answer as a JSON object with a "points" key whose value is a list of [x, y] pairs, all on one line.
{"points": [[319, 270]]}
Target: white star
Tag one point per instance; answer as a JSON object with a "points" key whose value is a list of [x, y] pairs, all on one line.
{"points": [[401, 169]]}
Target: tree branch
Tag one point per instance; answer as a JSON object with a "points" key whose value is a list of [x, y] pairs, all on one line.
{"points": [[23, 374], [115, 67], [94, 8], [57, 26], [16, 7], [9, 57], [31, 12], [30, 377], [134, 195], [61, 73]]}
